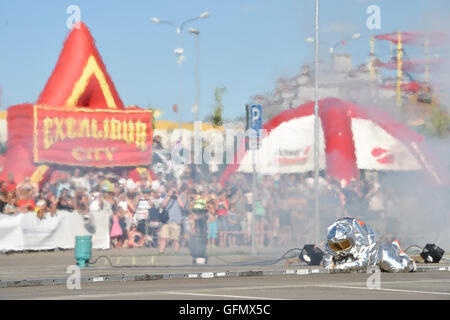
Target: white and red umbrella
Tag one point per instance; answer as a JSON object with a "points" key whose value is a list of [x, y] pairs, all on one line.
{"points": [[351, 138]]}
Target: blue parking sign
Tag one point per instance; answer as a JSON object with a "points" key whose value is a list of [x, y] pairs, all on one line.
{"points": [[256, 118]]}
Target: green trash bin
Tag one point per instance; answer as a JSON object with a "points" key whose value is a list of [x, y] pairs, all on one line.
{"points": [[83, 250]]}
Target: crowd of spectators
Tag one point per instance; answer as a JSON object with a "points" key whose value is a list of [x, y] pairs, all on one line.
{"points": [[162, 212]]}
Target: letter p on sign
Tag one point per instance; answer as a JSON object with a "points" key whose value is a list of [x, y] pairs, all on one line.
{"points": [[255, 114], [256, 118]]}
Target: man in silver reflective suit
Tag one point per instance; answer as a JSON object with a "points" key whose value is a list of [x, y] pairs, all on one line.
{"points": [[352, 245]]}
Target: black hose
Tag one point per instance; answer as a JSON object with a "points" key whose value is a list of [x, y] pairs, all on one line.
{"points": [[238, 264], [106, 257], [413, 245]]}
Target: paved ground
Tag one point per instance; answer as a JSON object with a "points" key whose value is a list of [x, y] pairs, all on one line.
{"points": [[33, 265], [351, 286]]}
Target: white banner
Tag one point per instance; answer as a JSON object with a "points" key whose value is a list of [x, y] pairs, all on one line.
{"points": [[288, 148], [24, 231]]}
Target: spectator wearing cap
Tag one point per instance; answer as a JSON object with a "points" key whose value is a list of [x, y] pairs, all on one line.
{"points": [[174, 203], [105, 184], [41, 208], [200, 212]]}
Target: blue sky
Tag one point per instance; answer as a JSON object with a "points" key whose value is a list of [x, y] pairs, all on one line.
{"points": [[245, 45]]}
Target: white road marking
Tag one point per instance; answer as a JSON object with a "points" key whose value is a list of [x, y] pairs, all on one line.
{"points": [[386, 289], [99, 296], [221, 295], [347, 286]]}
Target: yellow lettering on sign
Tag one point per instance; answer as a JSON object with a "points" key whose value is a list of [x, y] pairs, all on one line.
{"points": [[59, 133], [128, 131], [106, 128], [89, 153], [95, 154], [115, 129], [108, 154], [58, 129], [141, 135], [70, 126], [84, 129], [76, 154], [48, 139]]}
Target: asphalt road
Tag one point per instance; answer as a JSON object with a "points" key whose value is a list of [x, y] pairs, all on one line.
{"points": [[353, 286]]}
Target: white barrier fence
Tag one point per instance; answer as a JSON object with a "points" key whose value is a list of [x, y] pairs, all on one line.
{"points": [[27, 232]]}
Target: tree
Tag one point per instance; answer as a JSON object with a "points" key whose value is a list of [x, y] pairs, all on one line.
{"points": [[218, 107]]}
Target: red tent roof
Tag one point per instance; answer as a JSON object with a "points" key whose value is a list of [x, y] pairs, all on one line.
{"points": [[80, 77], [354, 137]]}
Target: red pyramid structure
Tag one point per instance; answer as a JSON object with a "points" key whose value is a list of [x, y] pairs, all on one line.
{"points": [[80, 77]]}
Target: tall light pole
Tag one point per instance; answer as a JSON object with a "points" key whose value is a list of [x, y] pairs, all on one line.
{"points": [[196, 106], [179, 51], [316, 134]]}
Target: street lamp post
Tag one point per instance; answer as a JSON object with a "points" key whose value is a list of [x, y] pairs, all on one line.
{"points": [[179, 51], [316, 133], [355, 36], [196, 106], [316, 116]]}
